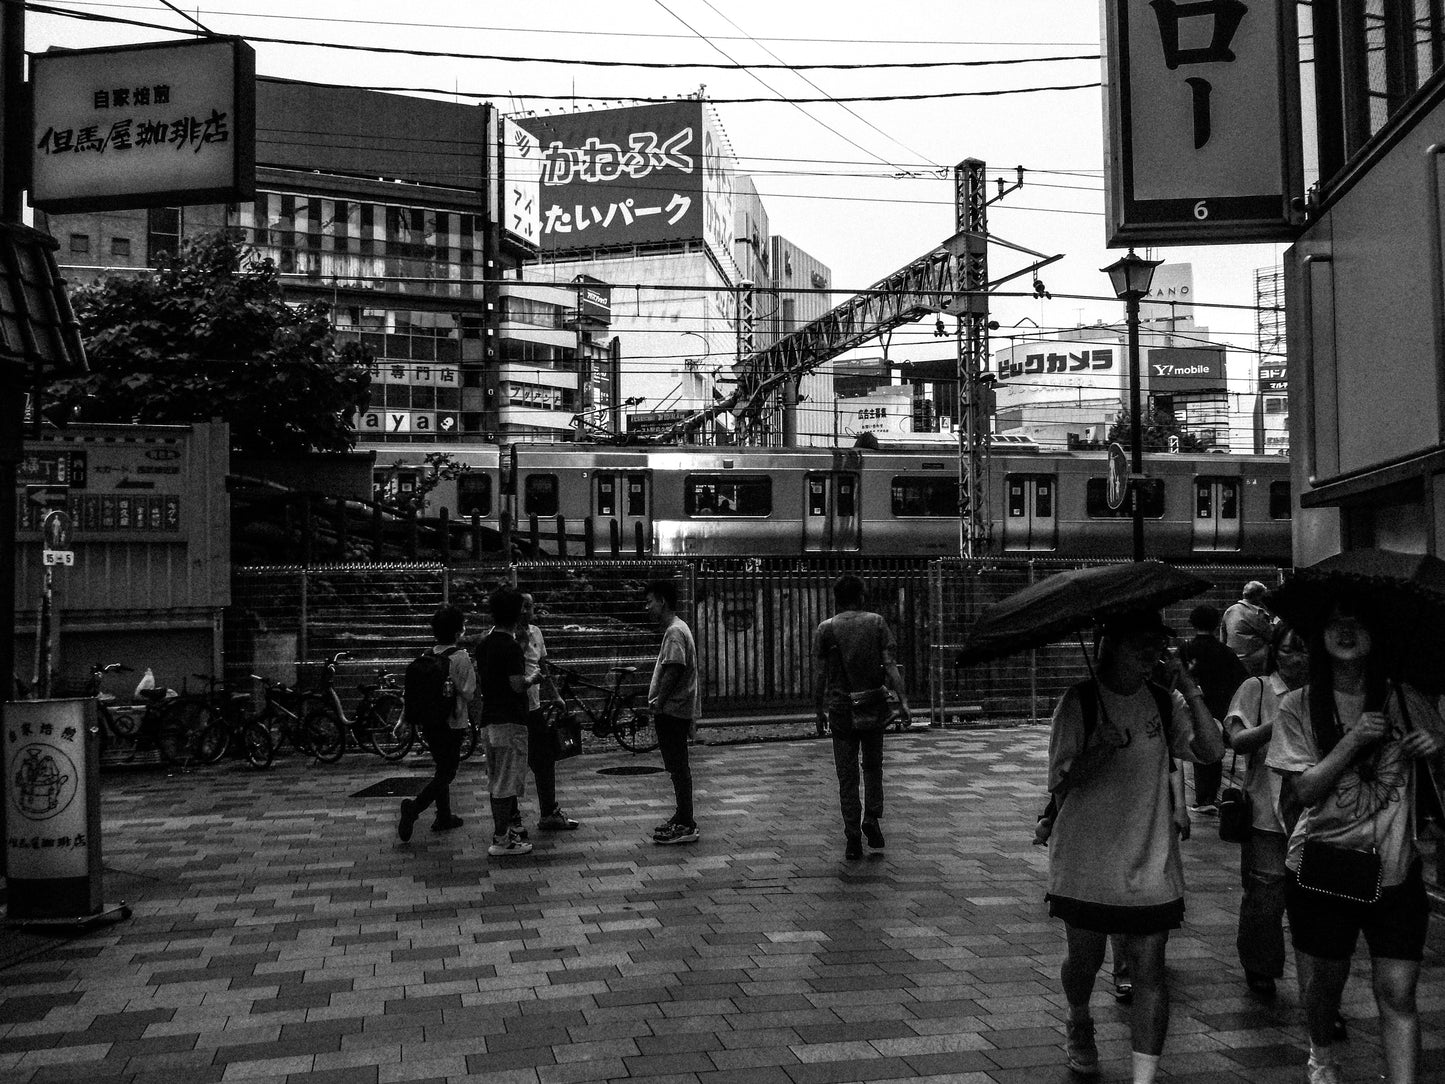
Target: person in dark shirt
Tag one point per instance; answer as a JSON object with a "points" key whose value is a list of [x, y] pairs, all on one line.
{"points": [[1218, 672], [501, 665]]}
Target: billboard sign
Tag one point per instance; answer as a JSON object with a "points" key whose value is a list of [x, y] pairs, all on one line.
{"points": [[521, 185], [631, 176], [1062, 362], [594, 299], [1203, 121], [143, 126], [1174, 369]]}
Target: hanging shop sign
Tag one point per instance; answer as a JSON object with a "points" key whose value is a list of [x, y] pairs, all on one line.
{"points": [[1203, 121], [153, 125]]}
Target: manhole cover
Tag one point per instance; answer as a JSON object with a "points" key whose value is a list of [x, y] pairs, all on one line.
{"points": [[398, 786], [630, 769]]}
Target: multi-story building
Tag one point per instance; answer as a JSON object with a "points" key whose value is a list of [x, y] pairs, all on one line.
{"points": [[386, 208]]}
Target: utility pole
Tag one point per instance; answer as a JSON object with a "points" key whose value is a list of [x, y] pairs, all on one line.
{"points": [[14, 378], [970, 197]]}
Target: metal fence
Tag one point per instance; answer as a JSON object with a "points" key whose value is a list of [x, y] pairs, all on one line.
{"points": [[753, 621], [1026, 686]]}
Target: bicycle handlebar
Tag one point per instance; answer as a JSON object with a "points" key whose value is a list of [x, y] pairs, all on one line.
{"points": [[111, 668]]}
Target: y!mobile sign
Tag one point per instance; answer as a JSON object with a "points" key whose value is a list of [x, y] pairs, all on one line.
{"points": [[143, 126], [631, 176]]}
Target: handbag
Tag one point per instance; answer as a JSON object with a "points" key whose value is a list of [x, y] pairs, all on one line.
{"points": [[564, 731], [1236, 808], [1345, 873], [871, 708]]}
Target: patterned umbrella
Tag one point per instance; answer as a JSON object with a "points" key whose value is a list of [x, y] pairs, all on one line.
{"points": [[1072, 601], [1402, 595]]}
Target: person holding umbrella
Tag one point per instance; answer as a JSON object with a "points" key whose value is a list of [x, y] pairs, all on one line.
{"points": [[1114, 863], [1349, 746]]}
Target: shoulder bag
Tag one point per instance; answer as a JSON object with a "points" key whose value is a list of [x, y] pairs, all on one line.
{"points": [[1344, 873], [1236, 808], [870, 707]]}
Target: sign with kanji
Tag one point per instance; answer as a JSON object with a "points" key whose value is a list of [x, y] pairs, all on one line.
{"points": [[1204, 122], [143, 126], [521, 185]]}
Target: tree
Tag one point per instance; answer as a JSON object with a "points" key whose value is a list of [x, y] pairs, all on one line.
{"points": [[1158, 427], [440, 467], [209, 335]]}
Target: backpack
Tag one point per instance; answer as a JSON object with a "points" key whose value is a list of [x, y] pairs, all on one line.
{"points": [[427, 689]]}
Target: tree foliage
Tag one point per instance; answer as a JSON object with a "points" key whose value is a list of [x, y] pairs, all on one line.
{"points": [[209, 335], [1157, 427]]}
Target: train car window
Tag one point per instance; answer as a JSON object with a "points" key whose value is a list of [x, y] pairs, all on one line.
{"points": [[637, 494], [1228, 500], [925, 496], [728, 495], [1044, 498], [1279, 501], [847, 495], [817, 495], [1203, 501], [1017, 498], [606, 495], [1096, 504], [474, 493], [540, 495]]}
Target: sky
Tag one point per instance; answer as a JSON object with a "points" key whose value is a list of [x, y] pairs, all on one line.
{"points": [[865, 187]]}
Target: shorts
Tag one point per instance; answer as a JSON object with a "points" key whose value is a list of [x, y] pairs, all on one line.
{"points": [[506, 760], [1108, 918], [1394, 926]]}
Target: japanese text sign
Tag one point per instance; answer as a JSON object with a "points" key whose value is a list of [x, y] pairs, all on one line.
{"points": [[143, 126], [1203, 118], [628, 176], [48, 822], [521, 184]]}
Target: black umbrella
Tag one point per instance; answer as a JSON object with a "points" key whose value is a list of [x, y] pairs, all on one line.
{"points": [[1401, 595], [1072, 601]]}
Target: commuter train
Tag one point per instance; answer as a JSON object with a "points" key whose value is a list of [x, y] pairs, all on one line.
{"points": [[773, 502]]}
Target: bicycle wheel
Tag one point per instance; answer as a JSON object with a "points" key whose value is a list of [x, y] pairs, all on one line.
{"points": [[323, 735], [256, 743], [176, 734], [632, 730], [212, 735], [387, 727]]}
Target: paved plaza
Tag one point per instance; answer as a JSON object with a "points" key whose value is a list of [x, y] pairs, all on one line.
{"points": [[282, 933]]}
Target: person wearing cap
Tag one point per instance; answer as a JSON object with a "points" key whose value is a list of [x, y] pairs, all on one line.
{"points": [[1248, 628], [1114, 863]]}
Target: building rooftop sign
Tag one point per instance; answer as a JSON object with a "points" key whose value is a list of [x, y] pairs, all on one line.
{"points": [[1203, 121], [150, 125]]}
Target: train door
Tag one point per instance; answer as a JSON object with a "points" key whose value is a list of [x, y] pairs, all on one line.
{"points": [[1031, 512], [1216, 514], [830, 520], [623, 497]]}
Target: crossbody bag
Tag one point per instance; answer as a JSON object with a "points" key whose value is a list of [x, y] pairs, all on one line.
{"points": [[1236, 808]]}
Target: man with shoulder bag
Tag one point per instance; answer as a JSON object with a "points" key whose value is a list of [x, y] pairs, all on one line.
{"points": [[856, 667], [439, 685]]}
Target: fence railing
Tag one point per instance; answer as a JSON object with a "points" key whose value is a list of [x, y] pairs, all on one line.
{"points": [[753, 620]]}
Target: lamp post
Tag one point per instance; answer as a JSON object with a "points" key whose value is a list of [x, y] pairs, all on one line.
{"points": [[1131, 277]]}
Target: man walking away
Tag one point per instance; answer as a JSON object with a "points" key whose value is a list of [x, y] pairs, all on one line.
{"points": [[541, 754], [1248, 628], [855, 650], [673, 699], [438, 687], [1219, 673], [504, 714]]}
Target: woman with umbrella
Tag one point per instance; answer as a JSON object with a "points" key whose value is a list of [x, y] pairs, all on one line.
{"points": [[1349, 746], [1114, 865]]}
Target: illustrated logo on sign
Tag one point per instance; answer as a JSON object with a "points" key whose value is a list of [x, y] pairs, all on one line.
{"points": [[45, 781]]}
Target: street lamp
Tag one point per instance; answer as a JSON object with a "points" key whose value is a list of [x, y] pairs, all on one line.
{"points": [[1131, 277]]}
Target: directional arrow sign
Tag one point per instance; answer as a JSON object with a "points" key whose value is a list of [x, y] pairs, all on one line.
{"points": [[47, 496]]}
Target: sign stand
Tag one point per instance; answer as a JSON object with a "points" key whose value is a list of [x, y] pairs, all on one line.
{"points": [[53, 834]]}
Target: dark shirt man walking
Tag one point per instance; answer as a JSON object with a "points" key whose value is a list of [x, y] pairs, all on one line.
{"points": [[673, 699], [1218, 672]]}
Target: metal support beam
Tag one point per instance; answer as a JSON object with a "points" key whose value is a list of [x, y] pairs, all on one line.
{"points": [[971, 218]]}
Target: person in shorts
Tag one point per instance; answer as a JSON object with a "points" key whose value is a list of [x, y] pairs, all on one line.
{"points": [[503, 687], [1114, 864], [1346, 745]]}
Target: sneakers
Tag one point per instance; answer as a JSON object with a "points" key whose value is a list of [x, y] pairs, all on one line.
{"points": [[1205, 809], [874, 834], [1124, 992], [854, 850], [676, 833], [408, 820], [509, 844], [665, 825], [1261, 986], [1323, 1073], [557, 821], [447, 823], [1080, 1051]]}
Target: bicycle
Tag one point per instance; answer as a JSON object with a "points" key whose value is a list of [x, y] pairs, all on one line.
{"points": [[225, 725], [617, 716], [285, 716], [379, 723], [154, 723]]}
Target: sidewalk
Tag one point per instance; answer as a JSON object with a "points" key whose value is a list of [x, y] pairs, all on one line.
{"points": [[281, 933]]}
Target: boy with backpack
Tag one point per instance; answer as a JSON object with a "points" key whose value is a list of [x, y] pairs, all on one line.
{"points": [[438, 686]]}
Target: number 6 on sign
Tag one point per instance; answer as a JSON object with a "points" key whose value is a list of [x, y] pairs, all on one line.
{"points": [[1201, 210]]}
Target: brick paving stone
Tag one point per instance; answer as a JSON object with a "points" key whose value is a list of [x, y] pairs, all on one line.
{"points": [[282, 934]]}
